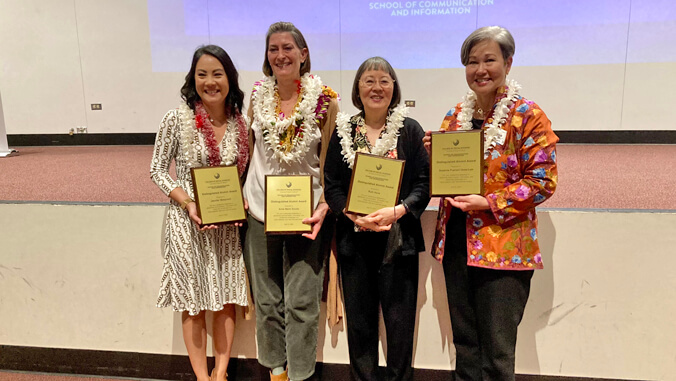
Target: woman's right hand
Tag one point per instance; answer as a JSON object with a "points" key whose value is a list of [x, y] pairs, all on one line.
{"points": [[353, 217], [427, 141], [191, 208], [366, 222]]}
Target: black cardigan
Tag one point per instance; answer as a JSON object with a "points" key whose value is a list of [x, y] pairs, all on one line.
{"points": [[414, 188]]}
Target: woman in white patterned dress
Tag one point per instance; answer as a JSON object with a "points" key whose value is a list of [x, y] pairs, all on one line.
{"points": [[203, 266]]}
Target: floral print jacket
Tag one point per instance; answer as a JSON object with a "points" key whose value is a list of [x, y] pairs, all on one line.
{"points": [[518, 176]]}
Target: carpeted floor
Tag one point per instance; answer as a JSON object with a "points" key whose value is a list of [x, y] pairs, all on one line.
{"points": [[32, 376], [590, 176]]}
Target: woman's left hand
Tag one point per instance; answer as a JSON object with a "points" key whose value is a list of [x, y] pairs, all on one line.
{"points": [[469, 202], [246, 207], [316, 220]]}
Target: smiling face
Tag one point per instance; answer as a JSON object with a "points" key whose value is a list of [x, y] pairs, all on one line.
{"points": [[375, 90], [486, 69], [211, 82], [284, 56]]}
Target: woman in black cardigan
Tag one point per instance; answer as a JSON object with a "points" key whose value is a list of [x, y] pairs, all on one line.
{"points": [[377, 253]]}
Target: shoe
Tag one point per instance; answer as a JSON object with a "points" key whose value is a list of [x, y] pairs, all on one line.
{"points": [[279, 377], [212, 377]]}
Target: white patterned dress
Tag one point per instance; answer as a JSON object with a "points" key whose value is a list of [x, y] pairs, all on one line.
{"points": [[203, 270]]}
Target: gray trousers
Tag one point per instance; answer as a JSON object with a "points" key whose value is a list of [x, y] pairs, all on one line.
{"points": [[287, 274]]}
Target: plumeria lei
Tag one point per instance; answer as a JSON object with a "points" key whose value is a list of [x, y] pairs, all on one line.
{"points": [[494, 134], [235, 139], [291, 147], [385, 143]]}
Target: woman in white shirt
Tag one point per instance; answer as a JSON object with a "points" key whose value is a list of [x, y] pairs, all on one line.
{"points": [[293, 116]]}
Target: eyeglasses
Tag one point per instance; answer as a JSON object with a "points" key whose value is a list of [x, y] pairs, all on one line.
{"points": [[385, 83]]}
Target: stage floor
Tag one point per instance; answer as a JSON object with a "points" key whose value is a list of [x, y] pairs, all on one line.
{"points": [[590, 176]]}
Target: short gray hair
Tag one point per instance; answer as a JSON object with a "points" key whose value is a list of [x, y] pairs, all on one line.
{"points": [[491, 33], [281, 27]]}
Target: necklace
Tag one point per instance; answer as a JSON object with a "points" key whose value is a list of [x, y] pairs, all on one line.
{"points": [[385, 143], [235, 139], [278, 100], [494, 134], [289, 138]]}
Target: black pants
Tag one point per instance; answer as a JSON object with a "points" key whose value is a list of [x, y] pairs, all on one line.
{"points": [[486, 307], [368, 283]]}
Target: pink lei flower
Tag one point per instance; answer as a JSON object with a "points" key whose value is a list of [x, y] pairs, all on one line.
{"points": [[204, 126]]}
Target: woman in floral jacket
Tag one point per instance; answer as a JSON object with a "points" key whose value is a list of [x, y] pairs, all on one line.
{"points": [[488, 243]]}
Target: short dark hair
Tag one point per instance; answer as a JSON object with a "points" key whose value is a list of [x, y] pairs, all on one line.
{"points": [[235, 98], [281, 27], [375, 63], [498, 34]]}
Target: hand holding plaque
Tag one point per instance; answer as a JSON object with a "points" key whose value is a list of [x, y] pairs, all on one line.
{"points": [[218, 194], [456, 163], [288, 201], [375, 183]]}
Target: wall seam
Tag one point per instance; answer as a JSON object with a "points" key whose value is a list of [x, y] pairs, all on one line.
{"points": [[79, 54]]}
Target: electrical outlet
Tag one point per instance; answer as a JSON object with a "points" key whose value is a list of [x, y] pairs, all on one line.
{"points": [[81, 130], [97, 106], [409, 103]]}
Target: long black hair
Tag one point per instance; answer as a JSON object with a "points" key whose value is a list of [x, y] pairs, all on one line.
{"points": [[235, 98]]}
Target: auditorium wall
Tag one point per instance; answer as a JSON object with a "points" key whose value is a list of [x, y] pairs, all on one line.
{"points": [[60, 56], [87, 277]]}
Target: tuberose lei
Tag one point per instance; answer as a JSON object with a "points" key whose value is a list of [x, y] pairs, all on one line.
{"points": [[306, 117], [235, 139], [384, 144], [494, 134]]}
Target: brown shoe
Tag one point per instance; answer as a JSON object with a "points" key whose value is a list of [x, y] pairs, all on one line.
{"points": [[279, 377]]}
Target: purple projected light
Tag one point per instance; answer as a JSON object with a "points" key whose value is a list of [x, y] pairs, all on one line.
{"points": [[417, 34]]}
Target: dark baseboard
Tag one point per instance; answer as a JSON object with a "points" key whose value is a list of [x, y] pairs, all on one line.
{"points": [[572, 137], [175, 367], [617, 137], [80, 140]]}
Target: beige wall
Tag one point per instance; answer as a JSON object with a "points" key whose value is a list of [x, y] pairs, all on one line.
{"points": [[59, 56], [82, 276]]}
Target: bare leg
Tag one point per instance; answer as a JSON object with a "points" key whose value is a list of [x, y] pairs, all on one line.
{"points": [[195, 337], [224, 332]]}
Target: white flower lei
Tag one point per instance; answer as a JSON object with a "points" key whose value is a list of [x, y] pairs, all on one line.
{"points": [[264, 105], [386, 143], [189, 133], [494, 134]]}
